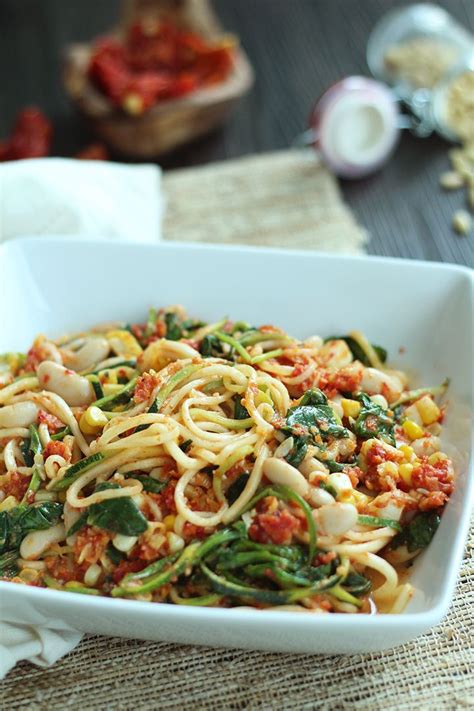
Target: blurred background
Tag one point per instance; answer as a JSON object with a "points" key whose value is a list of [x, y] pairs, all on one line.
{"points": [[297, 48]]}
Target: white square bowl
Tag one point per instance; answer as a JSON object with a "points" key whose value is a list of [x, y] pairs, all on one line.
{"points": [[423, 314]]}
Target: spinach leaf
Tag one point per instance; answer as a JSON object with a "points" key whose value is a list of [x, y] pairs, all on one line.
{"points": [[120, 515], [4, 529], [334, 466], [8, 566], [154, 486], [211, 346], [240, 412], [80, 523], [173, 329], [39, 518], [419, 532], [373, 421], [311, 421], [236, 488], [31, 446], [298, 452], [27, 453], [321, 418], [314, 398], [357, 352], [184, 446], [314, 414], [357, 584], [115, 556], [192, 325], [327, 487], [16, 523]]}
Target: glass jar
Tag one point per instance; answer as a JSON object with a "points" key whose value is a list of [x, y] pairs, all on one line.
{"points": [[415, 49]]}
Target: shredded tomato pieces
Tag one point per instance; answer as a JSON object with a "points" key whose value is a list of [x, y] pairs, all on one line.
{"points": [[52, 422], [277, 527]]}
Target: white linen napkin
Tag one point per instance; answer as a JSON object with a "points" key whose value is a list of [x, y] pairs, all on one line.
{"points": [[87, 199], [41, 645], [83, 198]]}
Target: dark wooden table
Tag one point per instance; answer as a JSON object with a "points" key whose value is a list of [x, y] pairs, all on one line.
{"points": [[297, 48]]}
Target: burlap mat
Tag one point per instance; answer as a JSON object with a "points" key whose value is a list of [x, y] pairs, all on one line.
{"points": [[286, 200], [281, 199]]}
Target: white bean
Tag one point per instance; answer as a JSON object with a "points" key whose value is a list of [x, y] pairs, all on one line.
{"points": [[70, 515], [337, 407], [95, 349], [280, 472], [313, 342], [335, 519], [175, 542], [37, 542], [380, 401], [336, 354], [158, 354], [320, 497], [73, 388], [375, 382], [92, 574], [21, 414], [412, 413], [340, 481], [124, 543], [425, 446], [311, 464]]}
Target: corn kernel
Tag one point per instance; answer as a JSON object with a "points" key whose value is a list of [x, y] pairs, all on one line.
{"points": [[388, 469], [346, 497], [351, 408], [95, 417], [437, 457], [406, 471], [169, 522], [124, 343], [412, 430], [91, 422], [428, 409], [407, 451], [360, 499]]}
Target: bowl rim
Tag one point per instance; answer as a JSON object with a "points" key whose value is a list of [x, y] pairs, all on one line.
{"points": [[424, 618]]}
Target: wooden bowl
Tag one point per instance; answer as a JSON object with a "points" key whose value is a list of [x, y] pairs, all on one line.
{"points": [[170, 123]]}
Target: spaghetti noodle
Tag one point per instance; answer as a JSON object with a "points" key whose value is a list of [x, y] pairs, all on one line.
{"points": [[217, 464]]}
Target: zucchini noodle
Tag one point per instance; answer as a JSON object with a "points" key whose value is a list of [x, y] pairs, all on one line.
{"points": [[218, 464]]}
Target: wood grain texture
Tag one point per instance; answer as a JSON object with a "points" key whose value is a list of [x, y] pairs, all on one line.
{"points": [[297, 48]]}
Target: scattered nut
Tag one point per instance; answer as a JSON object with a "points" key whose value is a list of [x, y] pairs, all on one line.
{"points": [[462, 222], [451, 180]]}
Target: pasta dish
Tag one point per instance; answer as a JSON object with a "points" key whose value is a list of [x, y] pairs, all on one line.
{"points": [[217, 465]]}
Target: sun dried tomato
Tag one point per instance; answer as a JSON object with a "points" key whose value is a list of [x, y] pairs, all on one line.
{"points": [[157, 60], [433, 477], [64, 569], [59, 448], [146, 383], [90, 544], [127, 566], [16, 485], [52, 422], [31, 136], [277, 527]]}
